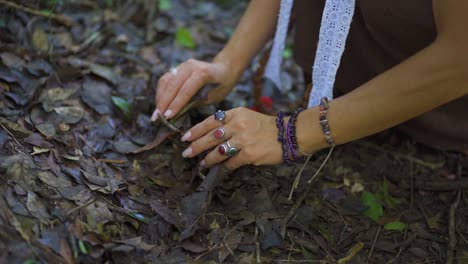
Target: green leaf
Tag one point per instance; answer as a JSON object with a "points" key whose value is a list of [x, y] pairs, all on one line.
{"points": [[109, 3], [124, 105], [29, 261], [374, 207], [184, 38], [287, 53], [165, 5], [82, 247], [396, 226]]}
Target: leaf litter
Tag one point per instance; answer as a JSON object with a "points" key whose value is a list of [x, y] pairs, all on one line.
{"points": [[87, 178]]}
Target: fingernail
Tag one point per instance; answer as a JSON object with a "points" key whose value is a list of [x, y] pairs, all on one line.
{"points": [[154, 116], [168, 113], [187, 152], [202, 163], [186, 136]]}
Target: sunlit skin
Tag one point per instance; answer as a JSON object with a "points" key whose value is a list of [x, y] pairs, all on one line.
{"points": [[432, 77]]}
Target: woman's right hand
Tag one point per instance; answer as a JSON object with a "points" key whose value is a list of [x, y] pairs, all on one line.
{"points": [[176, 88]]}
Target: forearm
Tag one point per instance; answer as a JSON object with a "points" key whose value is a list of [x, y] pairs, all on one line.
{"points": [[432, 77], [254, 29]]}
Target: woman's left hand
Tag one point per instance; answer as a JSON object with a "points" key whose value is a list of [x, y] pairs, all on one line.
{"points": [[253, 134]]}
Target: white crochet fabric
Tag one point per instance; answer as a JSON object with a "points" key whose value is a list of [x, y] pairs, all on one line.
{"points": [[336, 21]]}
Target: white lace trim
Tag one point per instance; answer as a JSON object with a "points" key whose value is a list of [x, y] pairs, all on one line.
{"points": [[273, 68], [334, 29]]}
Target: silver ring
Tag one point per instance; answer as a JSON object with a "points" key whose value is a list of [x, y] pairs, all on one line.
{"points": [[219, 133], [220, 115], [227, 149], [173, 71]]}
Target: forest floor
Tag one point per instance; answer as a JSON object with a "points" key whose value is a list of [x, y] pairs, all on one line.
{"points": [[86, 177]]}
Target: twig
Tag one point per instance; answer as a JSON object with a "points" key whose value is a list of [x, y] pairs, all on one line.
{"points": [[293, 209], [374, 242], [59, 18], [169, 125], [321, 166], [352, 252], [257, 247], [11, 134], [427, 164], [403, 245], [298, 177], [452, 235], [81, 206]]}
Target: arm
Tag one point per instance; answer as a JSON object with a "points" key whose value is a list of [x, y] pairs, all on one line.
{"points": [[255, 28], [434, 76]]}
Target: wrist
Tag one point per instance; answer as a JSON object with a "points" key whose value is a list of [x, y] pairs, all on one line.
{"points": [[309, 134], [233, 67]]}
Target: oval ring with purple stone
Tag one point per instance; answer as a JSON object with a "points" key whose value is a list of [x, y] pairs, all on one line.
{"points": [[219, 133], [220, 115]]}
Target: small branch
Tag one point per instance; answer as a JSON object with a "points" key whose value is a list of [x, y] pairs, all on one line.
{"points": [[298, 177], [427, 164], [353, 252], [257, 247], [293, 209], [373, 243], [452, 234], [167, 124], [59, 18], [321, 166]]}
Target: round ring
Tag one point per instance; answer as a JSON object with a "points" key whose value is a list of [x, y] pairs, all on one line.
{"points": [[227, 150], [219, 133], [173, 71], [220, 115]]}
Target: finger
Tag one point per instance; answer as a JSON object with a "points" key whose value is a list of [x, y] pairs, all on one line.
{"points": [[160, 89], [236, 161], [206, 142], [214, 157], [172, 88], [185, 94], [206, 126]]}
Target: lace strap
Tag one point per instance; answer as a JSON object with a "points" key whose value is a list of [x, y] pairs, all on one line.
{"points": [[273, 67], [334, 29]]}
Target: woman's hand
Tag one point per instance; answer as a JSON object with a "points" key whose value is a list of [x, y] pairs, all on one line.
{"points": [[177, 87], [252, 133]]}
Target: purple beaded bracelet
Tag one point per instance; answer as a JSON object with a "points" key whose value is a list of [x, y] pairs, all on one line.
{"points": [[291, 136], [281, 139]]}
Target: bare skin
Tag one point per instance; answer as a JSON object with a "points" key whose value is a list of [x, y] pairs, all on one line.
{"points": [[255, 28], [432, 77]]}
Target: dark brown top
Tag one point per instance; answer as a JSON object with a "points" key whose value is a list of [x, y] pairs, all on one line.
{"points": [[383, 34]]}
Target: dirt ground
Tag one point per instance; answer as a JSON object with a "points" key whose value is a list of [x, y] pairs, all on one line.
{"points": [[86, 177]]}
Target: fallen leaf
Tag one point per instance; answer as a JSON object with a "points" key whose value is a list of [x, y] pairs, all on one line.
{"points": [[184, 38], [40, 39], [39, 151], [54, 181], [395, 226], [97, 95], [374, 208]]}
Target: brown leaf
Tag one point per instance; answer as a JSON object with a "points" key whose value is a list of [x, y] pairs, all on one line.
{"points": [[163, 134], [40, 39], [167, 214], [54, 181], [36, 139]]}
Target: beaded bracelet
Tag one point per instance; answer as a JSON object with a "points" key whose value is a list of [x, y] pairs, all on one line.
{"points": [[281, 139], [323, 110], [291, 135]]}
